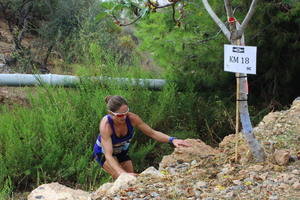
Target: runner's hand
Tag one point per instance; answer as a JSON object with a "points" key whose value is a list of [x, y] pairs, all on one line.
{"points": [[181, 143], [133, 174]]}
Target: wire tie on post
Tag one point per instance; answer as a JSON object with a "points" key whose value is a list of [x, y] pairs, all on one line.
{"points": [[241, 77]]}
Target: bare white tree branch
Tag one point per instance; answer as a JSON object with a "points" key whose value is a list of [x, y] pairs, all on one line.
{"points": [[216, 19], [248, 16], [228, 8]]}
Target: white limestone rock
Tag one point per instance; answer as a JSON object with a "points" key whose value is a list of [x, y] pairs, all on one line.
{"points": [[56, 191], [151, 171], [122, 182]]}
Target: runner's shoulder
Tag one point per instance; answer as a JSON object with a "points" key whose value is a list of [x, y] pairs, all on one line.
{"points": [[105, 127], [134, 118]]}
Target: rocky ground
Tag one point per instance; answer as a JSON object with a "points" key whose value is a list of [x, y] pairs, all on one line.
{"points": [[202, 172]]}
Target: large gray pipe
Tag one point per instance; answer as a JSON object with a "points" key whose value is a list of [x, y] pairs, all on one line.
{"points": [[17, 80]]}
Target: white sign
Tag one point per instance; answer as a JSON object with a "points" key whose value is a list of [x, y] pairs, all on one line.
{"points": [[240, 59]]}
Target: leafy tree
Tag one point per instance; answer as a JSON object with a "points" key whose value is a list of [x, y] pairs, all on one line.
{"points": [[18, 14], [276, 34], [53, 21]]}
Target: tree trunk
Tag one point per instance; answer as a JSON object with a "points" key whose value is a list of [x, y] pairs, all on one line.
{"points": [[256, 148], [235, 35]]}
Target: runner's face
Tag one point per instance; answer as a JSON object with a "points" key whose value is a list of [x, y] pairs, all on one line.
{"points": [[121, 113]]}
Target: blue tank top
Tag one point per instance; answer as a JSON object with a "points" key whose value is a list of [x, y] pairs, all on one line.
{"points": [[119, 143]]}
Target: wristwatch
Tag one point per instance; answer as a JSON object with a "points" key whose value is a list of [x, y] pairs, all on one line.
{"points": [[171, 139]]}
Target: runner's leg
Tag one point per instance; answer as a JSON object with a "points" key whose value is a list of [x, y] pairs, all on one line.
{"points": [[127, 166]]}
